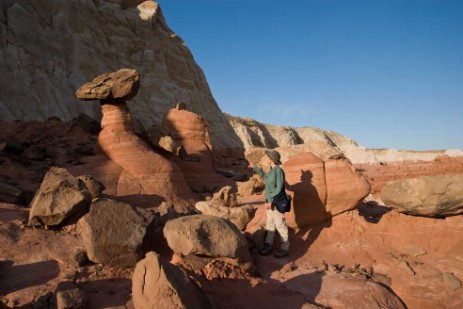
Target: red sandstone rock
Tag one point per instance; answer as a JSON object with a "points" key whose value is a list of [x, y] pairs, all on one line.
{"points": [[158, 284], [321, 189], [306, 183], [346, 188], [148, 172], [379, 174], [190, 131]]}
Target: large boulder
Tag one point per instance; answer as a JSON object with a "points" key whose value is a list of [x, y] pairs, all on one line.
{"points": [[321, 189], [206, 236], [346, 187], [429, 196], [113, 232], [121, 85], [306, 183], [335, 291], [60, 198], [158, 284]]}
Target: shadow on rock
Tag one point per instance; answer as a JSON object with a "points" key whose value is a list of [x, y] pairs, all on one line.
{"points": [[18, 277], [254, 294], [107, 293], [372, 211], [308, 285], [139, 200]]}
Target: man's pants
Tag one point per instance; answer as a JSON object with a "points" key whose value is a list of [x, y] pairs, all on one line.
{"points": [[276, 219]]}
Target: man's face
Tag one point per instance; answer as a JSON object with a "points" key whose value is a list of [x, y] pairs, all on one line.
{"points": [[269, 161]]}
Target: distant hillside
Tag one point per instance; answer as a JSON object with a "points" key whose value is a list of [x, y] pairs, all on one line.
{"points": [[323, 143]]}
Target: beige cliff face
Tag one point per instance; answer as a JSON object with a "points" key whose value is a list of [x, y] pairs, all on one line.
{"points": [[51, 47], [325, 144]]}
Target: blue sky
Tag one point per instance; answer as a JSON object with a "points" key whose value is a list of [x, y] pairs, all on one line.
{"points": [[388, 74]]}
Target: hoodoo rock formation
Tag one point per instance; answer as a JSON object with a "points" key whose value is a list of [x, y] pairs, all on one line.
{"points": [[189, 132], [144, 171]]}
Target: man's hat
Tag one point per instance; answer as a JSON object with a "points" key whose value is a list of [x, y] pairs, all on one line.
{"points": [[274, 155]]}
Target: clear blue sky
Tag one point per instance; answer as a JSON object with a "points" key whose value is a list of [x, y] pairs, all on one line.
{"points": [[388, 74]]}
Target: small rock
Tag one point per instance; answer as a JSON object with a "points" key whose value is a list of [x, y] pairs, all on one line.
{"points": [[413, 250], [322, 265], [95, 187], [42, 301], [452, 282], [13, 146], [80, 257], [181, 106], [35, 152], [9, 193], [68, 295]]}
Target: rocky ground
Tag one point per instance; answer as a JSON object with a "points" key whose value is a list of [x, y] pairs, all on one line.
{"points": [[370, 255]]}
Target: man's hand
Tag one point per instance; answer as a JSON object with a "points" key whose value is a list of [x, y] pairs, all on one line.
{"points": [[268, 205]]}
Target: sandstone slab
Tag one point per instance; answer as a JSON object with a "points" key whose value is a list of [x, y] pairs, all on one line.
{"points": [[430, 196], [121, 85]]}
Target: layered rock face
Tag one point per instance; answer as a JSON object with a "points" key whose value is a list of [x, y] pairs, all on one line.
{"points": [[325, 144], [378, 175], [49, 48]]}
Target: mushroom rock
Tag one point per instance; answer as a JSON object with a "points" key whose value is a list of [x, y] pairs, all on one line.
{"points": [[145, 172], [190, 131]]}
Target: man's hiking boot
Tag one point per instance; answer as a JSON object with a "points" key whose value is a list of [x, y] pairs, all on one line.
{"points": [[281, 253], [266, 249]]}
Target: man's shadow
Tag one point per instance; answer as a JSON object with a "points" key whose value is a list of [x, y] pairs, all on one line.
{"points": [[309, 209]]}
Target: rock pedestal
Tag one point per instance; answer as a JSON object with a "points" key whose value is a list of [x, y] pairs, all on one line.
{"points": [[145, 172]]}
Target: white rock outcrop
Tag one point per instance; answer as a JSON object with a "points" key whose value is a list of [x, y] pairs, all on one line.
{"points": [[49, 48]]}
